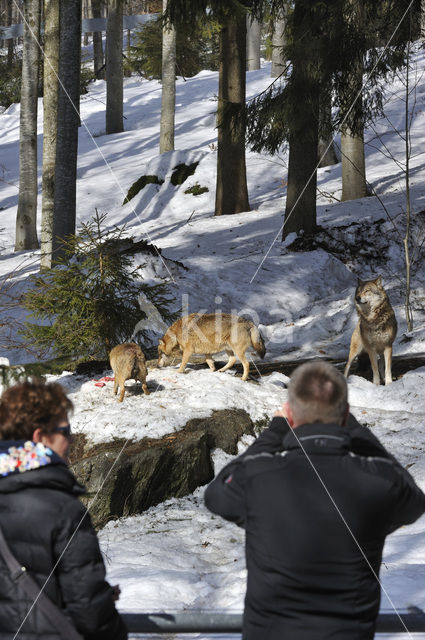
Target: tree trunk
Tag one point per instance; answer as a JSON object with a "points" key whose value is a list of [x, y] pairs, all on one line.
{"points": [[85, 11], [300, 212], [352, 137], [26, 219], [114, 69], [278, 40], [253, 39], [231, 191], [64, 213], [326, 148], [99, 72], [10, 41], [168, 104], [353, 166], [50, 108]]}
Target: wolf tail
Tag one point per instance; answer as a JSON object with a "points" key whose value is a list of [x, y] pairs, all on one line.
{"points": [[257, 341]]}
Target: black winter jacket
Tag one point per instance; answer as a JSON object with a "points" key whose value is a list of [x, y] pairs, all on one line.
{"points": [[306, 513], [40, 514]]}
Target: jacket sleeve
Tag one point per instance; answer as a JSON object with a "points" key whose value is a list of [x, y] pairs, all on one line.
{"points": [[87, 597], [225, 495], [364, 442], [408, 499]]}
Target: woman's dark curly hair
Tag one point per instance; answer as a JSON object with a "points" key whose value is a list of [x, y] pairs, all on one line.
{"points": [[30, 405]]}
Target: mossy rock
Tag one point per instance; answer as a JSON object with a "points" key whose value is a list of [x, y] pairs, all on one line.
{"points": [[141, 184], [182, 171], [196, 190]]}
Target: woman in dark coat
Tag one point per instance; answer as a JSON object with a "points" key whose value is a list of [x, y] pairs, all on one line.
{"points": [[45, 525]]}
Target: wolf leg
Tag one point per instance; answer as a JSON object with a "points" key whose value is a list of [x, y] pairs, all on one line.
{"points": [[388, 355], [115, 384], [356, 347], [230, 363], [241, 355], [145, 389], [122, 387], [185, 359], [373, 357], [210, 363]]}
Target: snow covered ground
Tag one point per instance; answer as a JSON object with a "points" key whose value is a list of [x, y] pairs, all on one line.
{"points": [[177, 556]]}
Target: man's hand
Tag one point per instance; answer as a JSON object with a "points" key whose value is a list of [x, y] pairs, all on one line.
{"points": [[116, 591], [284, 412]]}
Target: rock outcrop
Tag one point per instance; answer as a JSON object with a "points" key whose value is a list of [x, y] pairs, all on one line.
{"points": [[124, 479]]}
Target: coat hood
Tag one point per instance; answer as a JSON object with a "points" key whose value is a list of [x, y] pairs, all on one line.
{"points": [[26, 464]]}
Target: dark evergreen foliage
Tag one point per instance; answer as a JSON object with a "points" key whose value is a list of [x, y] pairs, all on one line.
{"points": [[332, 39], [88, 302], [196, 48]]}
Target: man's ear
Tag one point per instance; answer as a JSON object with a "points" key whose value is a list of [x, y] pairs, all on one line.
{"points": [[346, 413], [37, 435], [289, 414]]}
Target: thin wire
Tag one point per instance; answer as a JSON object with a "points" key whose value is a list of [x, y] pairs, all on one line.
{"points": [[90, 134], [330, 143]]}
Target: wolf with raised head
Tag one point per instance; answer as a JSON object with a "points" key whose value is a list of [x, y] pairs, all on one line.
{"points": [[128, 362], [376, 329], [208, 334]]}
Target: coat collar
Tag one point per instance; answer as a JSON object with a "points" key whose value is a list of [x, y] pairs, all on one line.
{"points": [[318, 438]]}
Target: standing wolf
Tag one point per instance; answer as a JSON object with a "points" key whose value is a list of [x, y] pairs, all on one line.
{"points": [[128, 362], [376, 329], [211, 333]]}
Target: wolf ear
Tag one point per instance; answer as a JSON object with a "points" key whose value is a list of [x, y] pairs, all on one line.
{"points": [[378, 281], [173, 338]]}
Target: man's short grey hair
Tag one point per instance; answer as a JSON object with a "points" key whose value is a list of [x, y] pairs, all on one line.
{"points": [[318, 393]]}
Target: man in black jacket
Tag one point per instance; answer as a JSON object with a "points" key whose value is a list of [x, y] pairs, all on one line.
{"points": [[45, 525], [317, 494]]}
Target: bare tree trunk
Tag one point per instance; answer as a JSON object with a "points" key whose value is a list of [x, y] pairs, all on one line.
{"points": [[300, 212], [114, 69], [278, 40], [26, 219], [406, 239], [353, 166], [85, 11], [68, 121], [232, 191], [352, 137], [326, 148], [50, 108], [96, 7], [168, 104], [10, 41], [253, 39]]}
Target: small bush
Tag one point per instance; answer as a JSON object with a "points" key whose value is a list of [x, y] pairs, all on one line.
{"points": [[181, 172], [139, 185], [196, 190], [88, 302]]}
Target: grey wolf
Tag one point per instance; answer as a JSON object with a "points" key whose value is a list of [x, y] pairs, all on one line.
{"points": [[40, 509], [376, 329], [128, 362], [296, 569], [208, 334]]}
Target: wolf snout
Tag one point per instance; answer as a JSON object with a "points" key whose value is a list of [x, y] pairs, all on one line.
{"points": [[358, 300]]}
